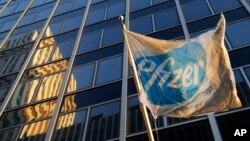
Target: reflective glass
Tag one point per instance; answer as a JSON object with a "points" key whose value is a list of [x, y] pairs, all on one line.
{"points": [[109, 70], [22, 5], [63, 50], [7, 80], [41, 56], [70, 127], [9, 135], [3, 93], [62, 8], [27, 19], [15, 64], [196, 10], [72, 23], [242, 88], [43, 14], [143, 25], [79, 4], [3, 63], [81, 77], [45, 70], [135, 119], [242, 29], [27, 114], [95, 16], [116, 10], [90, 42], [35, 131], [166, 19], [139, 4], [7, 25], [50, 86], [108, 39], [24, 93], [104, 122], [9, 10], [221, 5], [158, 1], [54, 29]]}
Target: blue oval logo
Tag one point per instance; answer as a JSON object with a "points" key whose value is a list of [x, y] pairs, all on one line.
{"points": [[173, 77]]}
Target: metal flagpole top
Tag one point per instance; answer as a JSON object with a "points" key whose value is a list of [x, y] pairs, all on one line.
{"points": [[122, 21]]}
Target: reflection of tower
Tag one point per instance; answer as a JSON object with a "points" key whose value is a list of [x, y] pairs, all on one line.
{"points": [[49, 87]]}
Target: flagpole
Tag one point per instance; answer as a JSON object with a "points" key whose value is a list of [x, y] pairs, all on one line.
{"points": [[138, 86]]}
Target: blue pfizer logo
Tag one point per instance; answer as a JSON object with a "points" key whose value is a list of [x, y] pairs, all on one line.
{"points": [[173, 77]]}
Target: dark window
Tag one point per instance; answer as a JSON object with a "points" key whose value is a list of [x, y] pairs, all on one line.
{"points": [[242, 29], [90, 42], [81, 77], [10, 134], [116, 10], [142, 25], [109, 70], [220, 5], [139, 4], [108, 39], [196, 10]]}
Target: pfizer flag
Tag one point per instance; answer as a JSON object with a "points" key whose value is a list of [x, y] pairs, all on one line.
{"points": [[184, 78]]}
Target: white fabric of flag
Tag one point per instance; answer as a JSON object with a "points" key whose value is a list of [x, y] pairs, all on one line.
{"points": [[181, 78]]}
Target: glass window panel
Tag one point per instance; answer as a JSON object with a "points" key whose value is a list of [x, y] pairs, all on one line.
{"points": [[90, 42], [166, 19], [72, 23], [7, 80], [7, 25], [70, 127], [139, 4], [142, 25], [109, 40], [109, 70], [116, 10], [62, 8], [96, 1], [9, 10], [50, 86], [23, 93], [41, 56], [158, 1], [242, 88], [43, 14], [21, 6], [3, 93], [3, 63], [230, 122], [63, 50], [95, 16], [242, 29], [104, 122], [79, 4], [54, 29], [196, 10], [45, 70], [135, 119], [81, 77], [34, 131], [27, 114], [15, 64], [27, 19], [14, 40], [221, 5], [9, 135]]}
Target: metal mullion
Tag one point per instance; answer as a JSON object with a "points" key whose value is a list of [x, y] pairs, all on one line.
{"points": [[5, 66], [182, 19], [20, 130], [15, 25], [86, 122], [246, 5], [24, 66], [214, 127], [5, 6], [124, 93], [67, 74]]}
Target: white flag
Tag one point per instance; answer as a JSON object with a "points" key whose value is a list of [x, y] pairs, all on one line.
{"points": [[184, 78]]}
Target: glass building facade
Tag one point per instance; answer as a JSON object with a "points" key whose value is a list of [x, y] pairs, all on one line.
{"points": [[65, 74]]}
